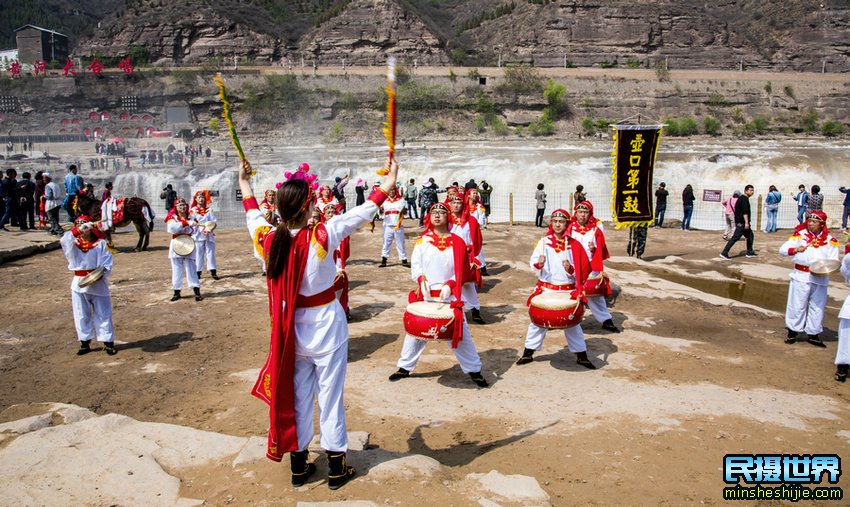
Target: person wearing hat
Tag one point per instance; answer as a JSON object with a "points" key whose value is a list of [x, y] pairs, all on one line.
{"points": [[52, 203], [177, 222], [86, 250], [810, 242], [467, 228], [842, 355], [393, 210], [476, 209], [201, 213], [561, 265], [439, 264], [587, 230]]}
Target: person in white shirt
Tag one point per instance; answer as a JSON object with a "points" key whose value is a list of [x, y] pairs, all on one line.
{"points": [[179, 222], [842, 355], [86, 250], [439, 264], [559, 262], [810, 242], [308, 347], [393, 210], [588, 230], [201, 213], [53, 198]]}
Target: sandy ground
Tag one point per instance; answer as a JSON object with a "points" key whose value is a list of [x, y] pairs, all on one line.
{"points": [[699, 371]]}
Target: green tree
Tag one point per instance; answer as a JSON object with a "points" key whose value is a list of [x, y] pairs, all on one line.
{"points": [[214, 125], [555, 95], [587, 127]]}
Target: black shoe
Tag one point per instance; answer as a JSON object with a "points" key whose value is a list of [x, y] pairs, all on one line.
{"points": [[214, 275], [608, 325], [383, 262], [348, 316], [176, 295], [110, 349], [85, 348], [724, 255], [527, 357], [301, 470], [581, 358], [198, 296], [841, 373], [816, 341], [484, 272], [792, 337], [400, 374], [338, 471], [752, 254], [479, 379], [405, 263], [476, 316]]}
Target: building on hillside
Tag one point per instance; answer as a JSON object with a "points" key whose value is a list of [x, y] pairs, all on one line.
{"points": [[36, 43]]}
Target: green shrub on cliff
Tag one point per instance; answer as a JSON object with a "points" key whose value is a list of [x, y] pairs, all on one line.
{"points": [[522, 80], [833, 129], [587, 127], [711, 126]]}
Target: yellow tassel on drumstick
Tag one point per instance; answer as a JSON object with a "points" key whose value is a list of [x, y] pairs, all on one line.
{"points": [[226, 115]]}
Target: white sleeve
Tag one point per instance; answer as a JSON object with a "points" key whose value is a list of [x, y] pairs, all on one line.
{"points": [[845, 268], [174, 227], [105, 257], [539, 250], [416, 260], [344, 225], [793, 242], [67, 242]]}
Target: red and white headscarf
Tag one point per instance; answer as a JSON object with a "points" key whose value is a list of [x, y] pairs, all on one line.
{"points": [[173, 215], [823, 237], [196, 208]]}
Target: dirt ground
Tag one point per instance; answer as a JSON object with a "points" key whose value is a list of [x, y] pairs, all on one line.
{"points": [[699, 371]]}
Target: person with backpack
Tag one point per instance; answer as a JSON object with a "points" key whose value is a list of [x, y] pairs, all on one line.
{"points": [[410, 194]]}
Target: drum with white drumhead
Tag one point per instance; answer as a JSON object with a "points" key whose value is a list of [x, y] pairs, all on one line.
{"points": [[555, 310], [428, 320]]}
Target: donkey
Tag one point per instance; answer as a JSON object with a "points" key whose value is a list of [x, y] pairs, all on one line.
{"points": [[136, 211]]}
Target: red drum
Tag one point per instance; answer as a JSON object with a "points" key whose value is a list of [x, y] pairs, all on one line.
{"points": [[428, 320], [595, 286], [555, 310]]}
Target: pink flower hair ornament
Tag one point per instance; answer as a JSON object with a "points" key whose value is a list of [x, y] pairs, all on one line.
{"points": [[303, 173]]}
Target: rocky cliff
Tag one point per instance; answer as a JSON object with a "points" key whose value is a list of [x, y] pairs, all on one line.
{"points": [[793, 35]]}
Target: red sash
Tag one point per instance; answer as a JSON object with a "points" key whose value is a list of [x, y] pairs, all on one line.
{"points": [[275, 384]]}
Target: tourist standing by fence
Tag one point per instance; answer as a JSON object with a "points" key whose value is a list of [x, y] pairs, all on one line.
{"points": [[771, 207]]}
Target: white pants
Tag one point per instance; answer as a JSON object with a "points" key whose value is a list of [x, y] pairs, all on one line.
{"points": [[92, 315], [599, 308], [480, 258], [465, 352], [469, 296], [842, 355], [392, 235], [204, 250], [178, 266], [575, 338], [323, 377], [804, 311]]}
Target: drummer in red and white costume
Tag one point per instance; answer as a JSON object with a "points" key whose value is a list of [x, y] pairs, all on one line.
{"points": [[85, 248], [393, 210], [179, 222], [201, 213], [588, 231], [810, 242], [309, 335], [326, 196], [439, 260], [466, 228], [477, 211], [269, 208], [341, 255], [559, 261]]}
